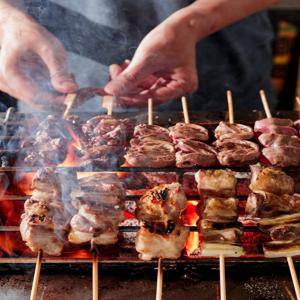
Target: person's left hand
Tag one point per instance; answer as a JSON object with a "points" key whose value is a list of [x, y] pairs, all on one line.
{"points": [[163, 68]]}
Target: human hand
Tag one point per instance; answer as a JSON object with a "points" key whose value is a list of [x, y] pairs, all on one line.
{"points": [[32, 61], [163, 68]]}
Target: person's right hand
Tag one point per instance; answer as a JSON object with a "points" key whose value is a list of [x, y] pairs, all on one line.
{"points": [[32, 61]]}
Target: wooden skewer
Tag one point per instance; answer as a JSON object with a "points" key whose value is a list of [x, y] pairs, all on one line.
{"points": [[222, 277], [289, 258], [36, 278], [294, 276], [265, 103], [159, 283], [69, 101], [150, 111], [230, 107], [107, 103], [185, 110], [297, 104], [95, 277]]}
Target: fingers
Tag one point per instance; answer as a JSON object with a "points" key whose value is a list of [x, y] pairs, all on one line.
{"points": [[54, 57], [126, 82]]}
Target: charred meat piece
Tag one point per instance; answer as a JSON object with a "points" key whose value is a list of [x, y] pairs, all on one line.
{"points": [[219, 210], [49, 144], [227, 131], [162, 204], [194, 153], [271, 180], [219, 183], [237, 152], [155, 245], [282, 156], [144, 130], [182, 131]]}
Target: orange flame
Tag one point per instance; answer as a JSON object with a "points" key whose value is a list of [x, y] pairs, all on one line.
{"points": [[72, 159], [192, 244], [191, 218], [24, 182]]}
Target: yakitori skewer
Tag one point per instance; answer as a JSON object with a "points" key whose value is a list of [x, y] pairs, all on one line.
{"points": [[289, 258], [159, 282], [230, 107], [107, 102], [69, 101], [150, 111], [36, 278]]}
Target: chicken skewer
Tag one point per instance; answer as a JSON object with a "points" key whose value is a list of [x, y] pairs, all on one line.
{"points": [[289, 258], [221, 256], [36, 278], [159, 282]]}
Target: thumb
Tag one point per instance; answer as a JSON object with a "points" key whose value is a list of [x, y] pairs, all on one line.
{"points": [[128, 81], [55, 59]]}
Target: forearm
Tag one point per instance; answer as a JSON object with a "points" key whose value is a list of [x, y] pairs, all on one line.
{"points": [[205, 17]]}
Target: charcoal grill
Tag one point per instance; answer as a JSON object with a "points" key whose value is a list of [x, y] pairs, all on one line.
{"points": [[13, 251]]}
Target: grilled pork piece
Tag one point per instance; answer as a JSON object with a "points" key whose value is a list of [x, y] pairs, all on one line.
{"points": [[236, 152], [297, 124], [99, 200], [49, 144], [150, 244], [44, 224], [191, 151], [151, 147], [219, 210], [227, 236], [266, 205], [219, 183], [194, 153], [282, 156], [227, 131], [162, 204], [182, 131], [271, 180], [279, 140], [274, 125], [104, 140], [286, 232]]}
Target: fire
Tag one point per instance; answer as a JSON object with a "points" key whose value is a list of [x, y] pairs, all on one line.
{"points": [[191, 218], [192, 244], [72, 159]]}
